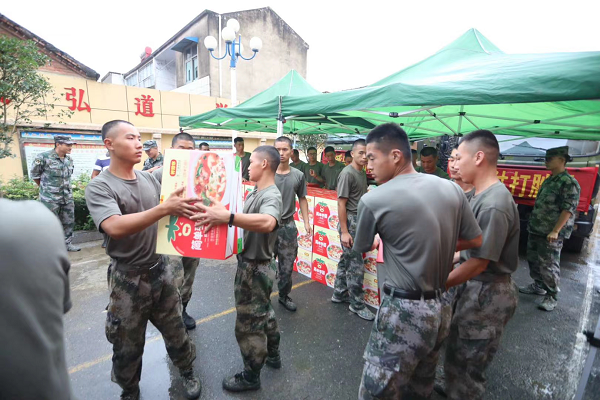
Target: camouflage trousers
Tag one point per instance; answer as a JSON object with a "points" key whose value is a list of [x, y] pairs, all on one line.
{"points": [[138, 297], [544, 262], [184, 271], [481, 311], [402, 352], [66, 215], [286, 251], [351, 271], [256, 327]]}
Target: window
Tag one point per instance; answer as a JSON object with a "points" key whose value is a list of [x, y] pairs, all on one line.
{"points": [[132, 80], [146, 75], [191, 63]]}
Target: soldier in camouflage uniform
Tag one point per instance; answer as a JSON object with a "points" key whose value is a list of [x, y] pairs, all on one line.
{"points": [[52, 172], [155, 158], [291, 183], [143, 284], [256, 327], [413, 319], [352, 185], [185, 266], [551, 222]]}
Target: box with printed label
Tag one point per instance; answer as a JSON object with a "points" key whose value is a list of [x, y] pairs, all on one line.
{"points": [[205, 175], [302, 265], [326, 213], [370, 261], [248, 187], [326, 243], [304, 239], [323, 270], [371, 288], [311, 209]]}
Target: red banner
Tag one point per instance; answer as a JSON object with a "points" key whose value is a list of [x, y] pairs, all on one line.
{"points": [[524, 182]]}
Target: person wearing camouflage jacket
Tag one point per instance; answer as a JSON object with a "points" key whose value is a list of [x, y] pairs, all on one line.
{"points": [[551, 222], [52, 171], [155, 158]]}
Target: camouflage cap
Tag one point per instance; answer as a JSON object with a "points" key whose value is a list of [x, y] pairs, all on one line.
{"points": [[562, 151], [148, 144], [63, 139]]}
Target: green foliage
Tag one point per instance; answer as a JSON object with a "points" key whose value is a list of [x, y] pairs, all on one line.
{"points": [[24, 189], [23, 91], [303, 142]]}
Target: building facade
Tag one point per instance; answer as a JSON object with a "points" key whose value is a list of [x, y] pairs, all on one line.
{"points": [[183, 64]]}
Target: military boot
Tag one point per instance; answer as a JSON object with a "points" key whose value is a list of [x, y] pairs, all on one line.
{"points": [[274, 360], [288, 303], [133, 394], [242, 382], [191, 384], [190, 323]]}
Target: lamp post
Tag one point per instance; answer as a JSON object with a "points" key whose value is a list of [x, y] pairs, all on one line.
{"points": [[233, 49]]}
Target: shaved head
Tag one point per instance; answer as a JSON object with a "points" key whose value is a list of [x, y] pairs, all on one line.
{"points": [[270, 154], [484, 141], [109, 127]]}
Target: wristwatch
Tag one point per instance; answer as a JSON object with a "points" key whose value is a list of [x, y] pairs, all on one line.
{"points": [[231, 220]]}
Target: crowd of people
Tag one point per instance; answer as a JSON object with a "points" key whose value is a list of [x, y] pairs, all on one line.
{"points": [[447, 287]]}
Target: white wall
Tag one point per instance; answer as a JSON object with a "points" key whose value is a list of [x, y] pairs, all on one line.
{"points": [[166, 77]]}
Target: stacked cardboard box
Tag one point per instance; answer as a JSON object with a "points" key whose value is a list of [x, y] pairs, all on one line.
{"points": [[205, 175]]}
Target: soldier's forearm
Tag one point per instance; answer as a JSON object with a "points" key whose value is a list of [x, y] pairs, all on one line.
{"points": [[343, 215], [562, 220], [304, 208], [467, 270]]}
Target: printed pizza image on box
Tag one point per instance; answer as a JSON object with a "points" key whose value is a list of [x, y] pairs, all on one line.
{"points": [[326, 213], [302, 265], [326, 243], [324, 270], [370, 286], [370, 261], [311, 209], [304, 239], [205, 175], [248, 187]]}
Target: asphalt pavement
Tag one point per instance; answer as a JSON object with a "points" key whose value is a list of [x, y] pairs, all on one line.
{"points": [[541, 356]]}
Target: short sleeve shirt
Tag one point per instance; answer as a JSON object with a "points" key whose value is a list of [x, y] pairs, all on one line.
{"points": [[352, 185], [34, 295], [102, 163], [150, 163], [108, 195], [438, 172], [557, 194], [300, 166], [55, 175], [330, 174], [498, 218], [318, 168], [290, 185], [419, 237], [261, 246], [245, 160], [157, 173]]}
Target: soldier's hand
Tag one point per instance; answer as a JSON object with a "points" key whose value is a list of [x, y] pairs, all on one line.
{"points": [[308, 228], [552, 237], [347, 240], [214, 215], [312, 173], [176, 204]]}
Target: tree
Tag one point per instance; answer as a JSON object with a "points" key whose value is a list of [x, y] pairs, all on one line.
{"points": [[22, 89], [303, 142]]}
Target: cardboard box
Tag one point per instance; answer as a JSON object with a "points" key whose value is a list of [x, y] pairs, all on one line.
{"points": [[370, 286], [370, 260], [311, 210], [326, 243], [204, 174], [248, 187], [305, 241], [324, 270], [326, 213], [303, 263]]}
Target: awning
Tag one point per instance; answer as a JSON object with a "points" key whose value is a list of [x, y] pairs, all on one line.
{"points": [[185, 43]]}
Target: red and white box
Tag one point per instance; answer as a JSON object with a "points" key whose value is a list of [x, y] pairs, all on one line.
{"points": [[303, 262], [305, 241], [324, 270], [326, 213], [326, 243], [371, 288]]}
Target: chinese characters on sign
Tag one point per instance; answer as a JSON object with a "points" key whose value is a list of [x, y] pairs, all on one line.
{"points": [[71, 95], [521, 184], [144, 106]]}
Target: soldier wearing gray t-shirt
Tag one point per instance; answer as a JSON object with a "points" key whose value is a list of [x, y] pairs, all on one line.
{"points": [[124, 204], [291, 184], [486, 295], [331, 170], [420, 239]]}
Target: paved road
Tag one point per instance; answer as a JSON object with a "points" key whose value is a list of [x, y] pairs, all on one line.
{"points": [[322, 343]]}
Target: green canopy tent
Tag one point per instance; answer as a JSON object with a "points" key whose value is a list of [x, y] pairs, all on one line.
{"points": [[470, 84], [262, 113]]}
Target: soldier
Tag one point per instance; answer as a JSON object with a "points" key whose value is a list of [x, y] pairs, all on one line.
{"points": [[183, 141], [256, 326], [332, 169], [313, 170], [155, 158], [296, 162], [124, 203], [238, 142], [52, 172], [550, 223], [487, 296], [414, 156], [290, 183], [352, 185], [204, 146], [348, 157], [429, 160], [402, 351], [455, 175]]}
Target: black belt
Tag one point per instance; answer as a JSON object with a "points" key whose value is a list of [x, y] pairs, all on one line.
{"points": [[137, 269], [495, 278], [411, 294], [285, 221]]}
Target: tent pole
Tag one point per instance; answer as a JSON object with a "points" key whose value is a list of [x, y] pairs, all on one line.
{"points": [[279, 120]]}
